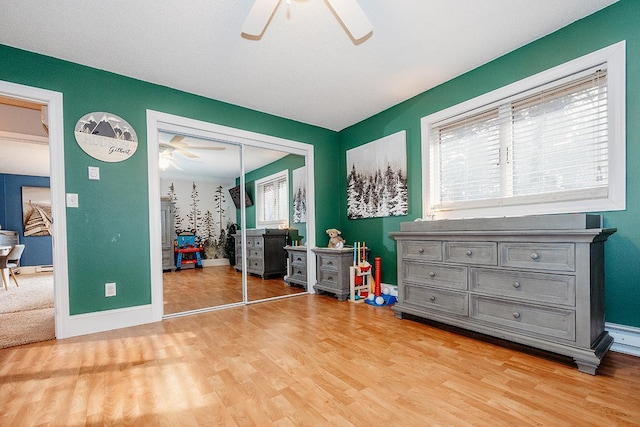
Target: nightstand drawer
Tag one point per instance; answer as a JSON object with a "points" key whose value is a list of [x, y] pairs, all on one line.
{"points": [[438, 275], [329, 278], [328, 262], [437, 299], [539, 256], [531, 319], [427, 250], [535, 287], [484, 253]]}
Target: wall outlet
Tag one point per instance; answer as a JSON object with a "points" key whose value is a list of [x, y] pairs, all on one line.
{"points": [[110, 289]]}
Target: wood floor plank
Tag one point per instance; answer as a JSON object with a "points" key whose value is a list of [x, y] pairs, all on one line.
{"points": [[306, 361]]}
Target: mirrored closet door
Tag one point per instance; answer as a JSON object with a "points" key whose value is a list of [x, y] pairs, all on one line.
{"points": [[199, 219]]}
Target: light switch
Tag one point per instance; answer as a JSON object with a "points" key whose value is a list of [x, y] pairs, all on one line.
{"points": [[72, 200], [94, 173]]}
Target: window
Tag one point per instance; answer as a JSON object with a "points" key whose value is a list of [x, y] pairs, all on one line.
{"points": [[548, 144], [272, 204]]}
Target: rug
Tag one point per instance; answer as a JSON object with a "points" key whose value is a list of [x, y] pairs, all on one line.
{"points": [[26, 312]]}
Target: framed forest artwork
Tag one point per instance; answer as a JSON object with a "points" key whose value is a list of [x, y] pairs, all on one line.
{"points": [[377, 178], [300, 195], [36, 211]]}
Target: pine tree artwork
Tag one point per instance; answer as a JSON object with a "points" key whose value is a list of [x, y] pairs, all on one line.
{"points": [[377, 178], [178, 220], [300, 195], [195, 215]]}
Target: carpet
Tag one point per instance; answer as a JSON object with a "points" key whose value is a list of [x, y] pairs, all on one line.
{"points": [[26, 312]]}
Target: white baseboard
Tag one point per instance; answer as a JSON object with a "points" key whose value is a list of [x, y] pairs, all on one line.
{"points": [[214, 262], [626, 339], [101, 321]]}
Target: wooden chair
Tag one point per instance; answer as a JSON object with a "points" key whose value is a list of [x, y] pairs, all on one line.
{"points": [[11, 261]]}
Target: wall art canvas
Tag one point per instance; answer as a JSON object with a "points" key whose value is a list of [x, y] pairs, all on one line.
{"points": [[377, 178], [36, 211], [300, 195]]}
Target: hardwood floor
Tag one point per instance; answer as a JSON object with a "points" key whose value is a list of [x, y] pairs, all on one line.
{"points": [[309, 360], [193, 289]]}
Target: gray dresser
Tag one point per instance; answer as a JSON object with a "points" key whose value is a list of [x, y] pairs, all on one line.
{"points": [[297, 274], [332, 268], [265, 252], [167, 215], [536, 280]]}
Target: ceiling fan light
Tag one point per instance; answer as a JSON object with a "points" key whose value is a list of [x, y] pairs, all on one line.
{"points": [[163, 163]]}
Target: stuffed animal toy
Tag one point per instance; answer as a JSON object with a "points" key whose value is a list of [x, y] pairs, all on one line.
{"points": [[335, 241]]}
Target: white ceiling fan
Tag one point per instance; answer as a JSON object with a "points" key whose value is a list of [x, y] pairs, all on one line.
{"points": [[178, 145], [348, 11]]}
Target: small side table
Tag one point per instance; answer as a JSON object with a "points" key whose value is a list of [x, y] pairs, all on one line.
{"points": [[296, 266], [332, 267]]}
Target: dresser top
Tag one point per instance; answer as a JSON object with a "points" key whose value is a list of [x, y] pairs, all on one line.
{"points": [[531, 222]]}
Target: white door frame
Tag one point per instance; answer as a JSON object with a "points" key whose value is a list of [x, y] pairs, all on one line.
{"points": [[53, 100], [156, 122]]}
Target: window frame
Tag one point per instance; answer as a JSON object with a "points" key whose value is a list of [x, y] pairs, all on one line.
{"points": [[614, 58], [259, 183]]}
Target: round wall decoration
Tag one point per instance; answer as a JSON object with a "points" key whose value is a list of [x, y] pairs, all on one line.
{"points": [[106, 137]]}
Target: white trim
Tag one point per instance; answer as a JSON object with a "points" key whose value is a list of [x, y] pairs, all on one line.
{"points": [[626, 339], [53, 100], [101, 321], [615, 57], [158, 121]]}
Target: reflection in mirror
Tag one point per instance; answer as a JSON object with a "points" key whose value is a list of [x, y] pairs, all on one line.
{"points": [[276, 224], [198, 220]]}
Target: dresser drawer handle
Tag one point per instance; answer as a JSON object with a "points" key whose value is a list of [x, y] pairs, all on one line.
{"points": [[516, 315], [299, 272], [432, 274], [432, 298], [330, 278], [469, 252], [516, 284], [535, 256], [329, 262], [421, 250], [299, 259]]}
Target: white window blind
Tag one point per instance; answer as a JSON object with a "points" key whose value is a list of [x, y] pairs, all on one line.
{"points": [[547, 144], [273, 199]]}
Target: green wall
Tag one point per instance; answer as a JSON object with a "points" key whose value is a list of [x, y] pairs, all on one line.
{"points": [[611, 25], [107, 236]]}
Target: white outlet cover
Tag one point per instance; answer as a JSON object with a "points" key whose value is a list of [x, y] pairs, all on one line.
{"points": [[72, 200], [94, 173], [109, 289]]}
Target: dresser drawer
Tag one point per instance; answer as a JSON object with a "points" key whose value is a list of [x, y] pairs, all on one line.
{"points": [[437, 299], [535, 287], [543, 322], [539, 256], [438, 275], [255, 253], [422, 250], [255, 265], [299, 274], [328, 262], [483, 253]]}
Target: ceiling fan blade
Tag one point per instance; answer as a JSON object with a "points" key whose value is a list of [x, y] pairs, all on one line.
{"points": [[176, 139], [186, 153], [192, 147], [352, 17], [173, 165], [259, 17]]}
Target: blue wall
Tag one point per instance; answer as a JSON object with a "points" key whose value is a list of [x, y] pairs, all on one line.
{"points": [[38, 249]]}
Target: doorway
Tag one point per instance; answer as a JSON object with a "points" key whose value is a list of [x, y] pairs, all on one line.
{"points": [[55, 159], [244, 145]]}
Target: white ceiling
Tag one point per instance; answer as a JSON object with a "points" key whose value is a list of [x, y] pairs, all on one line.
{"points": [[305, 67]]}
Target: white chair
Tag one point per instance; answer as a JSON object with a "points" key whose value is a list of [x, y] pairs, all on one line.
{"points": [[11, 261]]}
